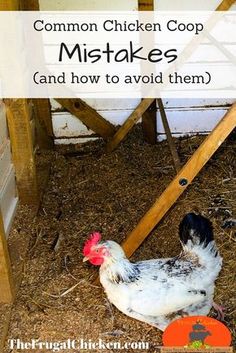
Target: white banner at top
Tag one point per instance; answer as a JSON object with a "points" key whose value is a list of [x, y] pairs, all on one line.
{"points": [[118, 54]]}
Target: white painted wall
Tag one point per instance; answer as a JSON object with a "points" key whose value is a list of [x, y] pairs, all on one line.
{"points": [[8, 194], [185, 116], [65, 125]]}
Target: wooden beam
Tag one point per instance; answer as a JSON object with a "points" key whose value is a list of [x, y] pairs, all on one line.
{"points": [[6, 282], [145, 5], [170, 140], [43, 112], [18, 118], [29, 5], [42, 108], [225, 5], [146, 102], [43, 122], [181, 182], [149, 124], [43, 141], [129, 123], [88, 116], [9, 5]]}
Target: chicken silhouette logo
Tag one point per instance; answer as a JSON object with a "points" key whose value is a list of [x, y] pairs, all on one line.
{"points": [[196, 332], [198, 335]]}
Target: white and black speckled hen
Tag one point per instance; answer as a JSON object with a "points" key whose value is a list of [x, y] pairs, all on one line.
{"points": [[159, 291]]}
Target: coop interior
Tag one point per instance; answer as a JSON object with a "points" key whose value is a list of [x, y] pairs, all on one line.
{"points": [[128, 168]]}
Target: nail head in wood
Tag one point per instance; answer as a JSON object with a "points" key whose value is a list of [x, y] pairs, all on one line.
{"points": [[183, 182]]}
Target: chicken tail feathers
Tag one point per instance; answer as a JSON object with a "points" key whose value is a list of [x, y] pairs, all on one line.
{"points": [[195, 230], [196, 236]]}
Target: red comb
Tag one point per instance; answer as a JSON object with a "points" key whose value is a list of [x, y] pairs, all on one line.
{"points": [[93, 239]]}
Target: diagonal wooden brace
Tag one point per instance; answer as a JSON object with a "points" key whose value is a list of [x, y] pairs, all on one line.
{"points": [[129, 123], [88, 116], [225, 5], [180, 182]]}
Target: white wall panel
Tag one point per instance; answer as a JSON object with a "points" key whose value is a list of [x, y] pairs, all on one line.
{"points": [[8, 196], [182, 121], [194, 103], [189, 122], [8, 199], [104, 104], [67, 126]]}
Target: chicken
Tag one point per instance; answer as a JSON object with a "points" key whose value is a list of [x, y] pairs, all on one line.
{"points": [[159, 291]]}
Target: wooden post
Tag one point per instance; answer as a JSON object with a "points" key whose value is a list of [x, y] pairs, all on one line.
{"points": [[6, 282], [145, 5], [88, 116], [9, 5], [43, 122], [181, 182], [18, 118], [42, 108], [129, 123], [43, 112], [171, 143], [149, 124], [146, 102], [29, 5]]}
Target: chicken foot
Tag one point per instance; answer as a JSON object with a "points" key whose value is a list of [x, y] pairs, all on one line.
{"points": [[220, 311]]}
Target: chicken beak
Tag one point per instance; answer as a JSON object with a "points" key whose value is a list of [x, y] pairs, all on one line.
{"points": [[85, 259]]}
